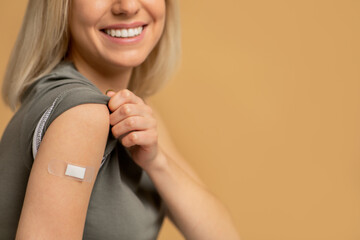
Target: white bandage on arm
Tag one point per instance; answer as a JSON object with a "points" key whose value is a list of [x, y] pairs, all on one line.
{"points": [[63, 169], [75, 171]]}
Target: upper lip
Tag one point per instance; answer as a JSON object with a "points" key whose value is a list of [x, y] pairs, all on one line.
{"points": [[125, 25]]}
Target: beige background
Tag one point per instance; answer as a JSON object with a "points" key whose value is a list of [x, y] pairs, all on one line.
{"points": [[266, 108]]}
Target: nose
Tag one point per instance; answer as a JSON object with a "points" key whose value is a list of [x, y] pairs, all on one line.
{"points": [[126, 7]]}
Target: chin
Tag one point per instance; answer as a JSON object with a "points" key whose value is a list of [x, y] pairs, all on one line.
{"points": [[128, 61], [127, 64]]}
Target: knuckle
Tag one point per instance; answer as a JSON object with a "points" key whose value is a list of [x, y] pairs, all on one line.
{"points": [[133, 137], [131, 122], [126, 110], [125, 93]]}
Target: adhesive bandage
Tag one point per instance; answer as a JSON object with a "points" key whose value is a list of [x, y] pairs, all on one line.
{"points": [[63, 169]]}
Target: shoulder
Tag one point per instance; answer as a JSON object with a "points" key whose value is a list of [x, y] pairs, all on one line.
{"points": [[79, 130], [63, 82], [63, 93], [76, 116], [85, 116]]}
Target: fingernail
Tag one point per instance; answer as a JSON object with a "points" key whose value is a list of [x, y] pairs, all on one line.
{"points": [[109, 91]]}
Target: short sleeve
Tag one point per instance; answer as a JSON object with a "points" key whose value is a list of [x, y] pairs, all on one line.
{"points": [[64, 101]]}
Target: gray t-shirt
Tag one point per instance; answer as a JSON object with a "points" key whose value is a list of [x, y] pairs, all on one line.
{"points": [[124, 203]]}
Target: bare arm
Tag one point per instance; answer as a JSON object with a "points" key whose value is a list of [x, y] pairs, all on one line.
{"points": [[169, 149], [196, 212], [55, 207]]}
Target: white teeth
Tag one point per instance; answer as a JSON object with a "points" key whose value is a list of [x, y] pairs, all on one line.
{"points": [[113, 32], [131, 32], [124, 33]]}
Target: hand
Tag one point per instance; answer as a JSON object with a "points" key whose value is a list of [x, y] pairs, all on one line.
{"points": [[133, 123]]}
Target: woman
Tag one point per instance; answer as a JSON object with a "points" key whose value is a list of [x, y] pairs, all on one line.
{"points": [[79, 161]]}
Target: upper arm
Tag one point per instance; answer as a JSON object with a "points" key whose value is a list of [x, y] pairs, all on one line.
{"points": [[55, 207]]}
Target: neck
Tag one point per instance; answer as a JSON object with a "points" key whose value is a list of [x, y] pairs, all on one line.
{"points": [[101, 75]]}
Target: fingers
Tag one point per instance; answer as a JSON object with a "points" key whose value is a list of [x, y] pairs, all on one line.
{"points": [[132, 120], [135, 123], [143, 138], [121, 97], [129, 110]]}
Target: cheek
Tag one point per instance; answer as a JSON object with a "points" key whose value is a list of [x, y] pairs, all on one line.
{"points": [[156, 8], [77, 19], [160, 9], [86, 14]]}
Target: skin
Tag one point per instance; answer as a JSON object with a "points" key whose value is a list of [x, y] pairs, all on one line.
{"points": [[106, 64], [191, 207], [59, 205], [194, 210]]}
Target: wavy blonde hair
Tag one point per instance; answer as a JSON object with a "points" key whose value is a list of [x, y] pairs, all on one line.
{"points": [[43, 42]]}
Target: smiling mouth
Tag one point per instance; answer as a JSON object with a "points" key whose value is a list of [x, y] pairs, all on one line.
{"points": [[124, 32]]}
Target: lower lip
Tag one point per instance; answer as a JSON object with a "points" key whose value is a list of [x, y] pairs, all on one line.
{"points": [[125, 41]]}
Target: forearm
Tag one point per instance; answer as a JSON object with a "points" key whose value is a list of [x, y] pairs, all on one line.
{"points": [[197, 213]]}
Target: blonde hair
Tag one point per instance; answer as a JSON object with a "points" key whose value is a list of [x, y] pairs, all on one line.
{"points": [[43, 42]]}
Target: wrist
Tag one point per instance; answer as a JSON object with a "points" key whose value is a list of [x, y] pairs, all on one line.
{"points": [[159, 163]]}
